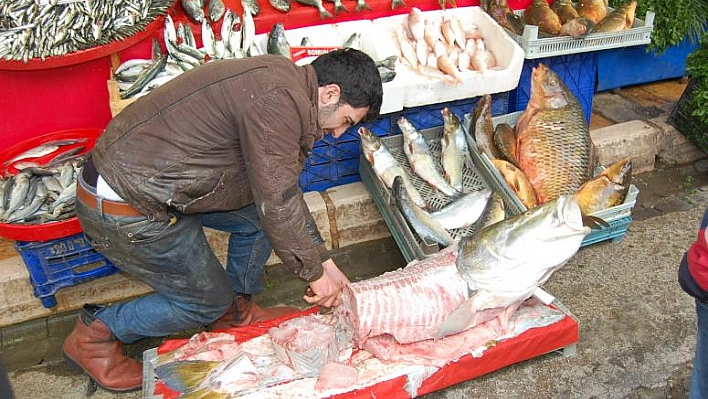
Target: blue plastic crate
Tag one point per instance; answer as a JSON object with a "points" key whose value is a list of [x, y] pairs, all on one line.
{"points": [[641, 66], [576, 70], [430, 116], [61, 263], [329, 174], [615, 232]]}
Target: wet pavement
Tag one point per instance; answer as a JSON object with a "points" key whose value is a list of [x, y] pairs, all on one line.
{"points": [[637, 328]]}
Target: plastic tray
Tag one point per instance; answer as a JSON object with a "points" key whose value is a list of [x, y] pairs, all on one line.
{"points": [[80, 56], [535, 47], [421, 90], [492, 175], [410, 244], [52, 230]]}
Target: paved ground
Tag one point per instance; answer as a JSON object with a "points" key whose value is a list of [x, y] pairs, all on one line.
{"points": [[637, 327]]}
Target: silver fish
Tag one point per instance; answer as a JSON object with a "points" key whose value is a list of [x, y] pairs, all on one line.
{"points": [[18, 193], [216, 10], [194, 10], [248, 27], [506, 262], [354, 41], [361, 5], [277, 42], [281, 5], [455, 153], [464, 211], [421, 159], [422, 223], [306, 42], [251, 6], [385, 164]]}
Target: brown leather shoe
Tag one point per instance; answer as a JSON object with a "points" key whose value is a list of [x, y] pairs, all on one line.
{"points": [[93, 347], [244, 312]]}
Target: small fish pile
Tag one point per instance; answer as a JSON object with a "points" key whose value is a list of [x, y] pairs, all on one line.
{"points": [[443, 48], [549, 153], [563, 18], [32, 29], [41, 193], [236, 39]]}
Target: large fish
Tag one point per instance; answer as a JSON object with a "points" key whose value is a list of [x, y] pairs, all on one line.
{"points": [[539, 13], [619, 19], [277, 42], [454, 153], [554, 148], [385, 164], [421, 159], [607, 189], [420, 220], [565, 10], [500, 11], [503, 264]]}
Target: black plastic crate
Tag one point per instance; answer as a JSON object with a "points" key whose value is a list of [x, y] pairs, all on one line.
{"points": [[61, 263], [695, 130]]}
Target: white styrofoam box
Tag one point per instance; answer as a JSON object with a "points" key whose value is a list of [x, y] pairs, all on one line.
{"points": [[336, 35], [423, 90]]}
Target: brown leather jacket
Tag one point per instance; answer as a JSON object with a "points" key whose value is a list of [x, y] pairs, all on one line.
{"points": [[218, 138]]}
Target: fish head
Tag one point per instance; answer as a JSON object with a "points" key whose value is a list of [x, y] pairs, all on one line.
{"points": [[620, 172], [450, 121], [553, 220], [629, 10], [548, 90], [409, 131], [370, 143], [578, 28]]}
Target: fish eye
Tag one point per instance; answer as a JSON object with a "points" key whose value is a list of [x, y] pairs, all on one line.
{"points": [[553, 82]]}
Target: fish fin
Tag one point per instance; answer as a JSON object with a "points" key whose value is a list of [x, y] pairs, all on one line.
{"points": [[594, 222], [324, 14], [457, 321], [205, 393], [184, 376]]}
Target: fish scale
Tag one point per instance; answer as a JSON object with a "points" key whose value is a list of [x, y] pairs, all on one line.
{"points": [[554, 148]]}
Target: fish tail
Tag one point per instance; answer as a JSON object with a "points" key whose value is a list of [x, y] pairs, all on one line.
{"points": [[397, 3], [324, 14], [594, 222], [362, 5], [339, 8], [184, 376]]}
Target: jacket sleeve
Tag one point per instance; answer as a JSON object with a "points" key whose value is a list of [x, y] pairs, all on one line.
{"points": [[271, 148], [693, 270]]}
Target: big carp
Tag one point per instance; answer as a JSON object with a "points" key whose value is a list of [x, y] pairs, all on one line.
{"points": [[503, 264], [554, 148], [619, 19]]}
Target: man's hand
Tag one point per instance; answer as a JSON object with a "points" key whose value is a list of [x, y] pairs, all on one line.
{"points": [[327, 288]]}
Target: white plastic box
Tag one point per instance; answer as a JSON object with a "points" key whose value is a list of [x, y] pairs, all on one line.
{"points": [[335, 35], [422, 90], [535, 47]]}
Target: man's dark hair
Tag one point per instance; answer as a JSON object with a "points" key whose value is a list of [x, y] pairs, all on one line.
{"points": [[357, 76]]}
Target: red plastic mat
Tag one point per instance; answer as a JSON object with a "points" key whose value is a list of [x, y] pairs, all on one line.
{"points": [[530, 344]]}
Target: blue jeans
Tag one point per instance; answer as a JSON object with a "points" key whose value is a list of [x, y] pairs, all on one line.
{"points": [[191, 287], [699, 382]]}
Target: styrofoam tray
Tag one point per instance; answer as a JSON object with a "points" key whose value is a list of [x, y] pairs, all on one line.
{"points": [[535, 47], [497, 182], [422, 90], [336, 35]]}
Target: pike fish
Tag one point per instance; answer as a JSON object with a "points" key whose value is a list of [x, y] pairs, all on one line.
{"points": [[421, 159], [607, 189], [386, 166], [422, 223], [554, 148], [539, 13], [503, 264], [619, 19], [464, 211], [455, 153]]}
